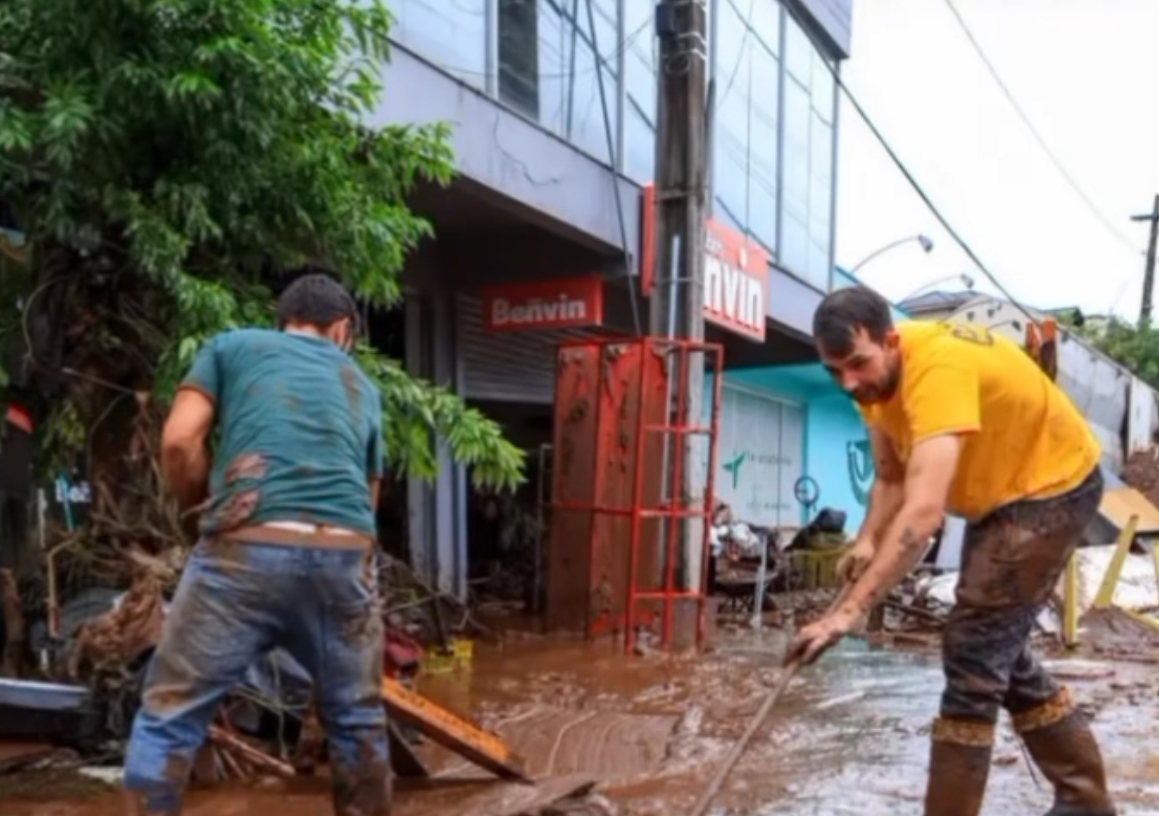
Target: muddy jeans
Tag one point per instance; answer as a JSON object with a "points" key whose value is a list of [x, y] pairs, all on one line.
{"points": [[235, 602], [1011, 563]]}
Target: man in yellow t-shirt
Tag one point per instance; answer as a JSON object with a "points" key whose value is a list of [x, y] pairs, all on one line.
{"points": [[963, 421]]}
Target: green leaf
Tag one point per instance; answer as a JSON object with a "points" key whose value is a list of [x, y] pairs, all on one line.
{"points": [[169, 159], [417, 413]]}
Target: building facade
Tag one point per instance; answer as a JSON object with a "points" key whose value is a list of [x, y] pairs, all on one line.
{"points": [[553, 108], [811, 431]]}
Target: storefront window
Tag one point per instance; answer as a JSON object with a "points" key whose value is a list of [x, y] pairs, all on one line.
{"points": [[450, 33], [820, 200], [549, 69], [773, 126], [747, 71], [793, 252], [773, 135], [640, 54], [807, 203], [730, 133], [823, 133], [763, 116]]}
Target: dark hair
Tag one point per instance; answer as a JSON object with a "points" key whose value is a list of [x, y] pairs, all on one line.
{"points": [[316, 300], [844, 312]]}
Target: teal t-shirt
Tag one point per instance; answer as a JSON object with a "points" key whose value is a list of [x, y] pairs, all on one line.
{"points": [[300, 431]]}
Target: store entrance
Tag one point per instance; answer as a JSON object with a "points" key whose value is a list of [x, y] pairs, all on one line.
{"points": [[507, 531], [386, 331]]}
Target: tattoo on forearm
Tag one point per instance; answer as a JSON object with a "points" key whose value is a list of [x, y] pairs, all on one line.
{"points": [[910, 541]]}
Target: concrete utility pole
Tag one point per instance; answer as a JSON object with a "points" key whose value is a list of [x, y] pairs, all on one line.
{"points": [[1149, 272], [677, 303]]}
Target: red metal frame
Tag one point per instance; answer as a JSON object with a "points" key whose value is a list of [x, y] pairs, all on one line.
{"points": [[679, 356]]}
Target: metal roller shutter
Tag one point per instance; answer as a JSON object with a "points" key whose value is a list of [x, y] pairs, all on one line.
{"points": [[760, 455], [515, 367]]}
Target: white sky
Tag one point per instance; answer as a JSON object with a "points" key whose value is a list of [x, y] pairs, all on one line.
{"points": [[1084, 72]]}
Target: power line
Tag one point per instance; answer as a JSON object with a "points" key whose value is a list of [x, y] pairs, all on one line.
{"points": [[909, 177], [1074, 185], [740, 51]]}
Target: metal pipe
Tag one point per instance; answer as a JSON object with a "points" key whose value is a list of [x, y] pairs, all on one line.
{"points": [[679, 438], [710, 483], [637, 502], [666, 439]]}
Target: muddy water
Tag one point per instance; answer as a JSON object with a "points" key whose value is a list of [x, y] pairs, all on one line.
{"points": [[849, 739]]}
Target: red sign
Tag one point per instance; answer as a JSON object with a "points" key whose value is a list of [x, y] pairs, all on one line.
{"points": [[736, 274], [551, 304]]}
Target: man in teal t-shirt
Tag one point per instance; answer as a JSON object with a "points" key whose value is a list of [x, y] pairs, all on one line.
{"points": [[287, 551]]}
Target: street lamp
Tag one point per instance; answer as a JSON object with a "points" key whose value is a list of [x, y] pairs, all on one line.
{"points": [[962, 277], [924, 241]]}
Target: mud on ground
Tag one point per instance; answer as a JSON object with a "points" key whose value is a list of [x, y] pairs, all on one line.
{"points": [[857, 721], [849, 738]]}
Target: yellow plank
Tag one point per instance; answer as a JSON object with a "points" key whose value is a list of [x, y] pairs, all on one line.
{"points": [[1070, 605], [1115, 569], [1146, 620], [1155, 558], [452, 731]]}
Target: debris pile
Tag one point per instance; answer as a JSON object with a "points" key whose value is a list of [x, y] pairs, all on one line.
{"points": [[82, 666], [117, 638], [734, 539], [1142, 472], [228, 756]]}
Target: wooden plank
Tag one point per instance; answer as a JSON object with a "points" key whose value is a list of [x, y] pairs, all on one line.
{"points": [[452, 731], [18, 753], [1120, 503], [403, 759]]}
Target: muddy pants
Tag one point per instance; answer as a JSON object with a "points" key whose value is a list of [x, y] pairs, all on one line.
{"points": [[236, 601], [1011, 563]]}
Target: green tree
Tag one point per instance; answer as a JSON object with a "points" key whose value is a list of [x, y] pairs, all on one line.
{"points": [[167, 161], [1134, 346]]}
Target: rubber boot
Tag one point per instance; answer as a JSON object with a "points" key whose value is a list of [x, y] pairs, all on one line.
{"points": [[365, 791], [137, 805], [1062, 746], [959, 767]]}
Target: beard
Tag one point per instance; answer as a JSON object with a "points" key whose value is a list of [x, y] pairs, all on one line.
{"points": [[879, 392]]}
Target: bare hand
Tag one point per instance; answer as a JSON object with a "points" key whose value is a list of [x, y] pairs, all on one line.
{"points": [[854, 563], [816, 638]]}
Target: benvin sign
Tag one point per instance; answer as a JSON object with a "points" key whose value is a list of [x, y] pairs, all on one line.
{"points": [[551, 304], [736, 275]]}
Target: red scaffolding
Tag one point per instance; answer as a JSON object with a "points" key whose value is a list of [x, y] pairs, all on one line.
{"points": [[622, 426]]}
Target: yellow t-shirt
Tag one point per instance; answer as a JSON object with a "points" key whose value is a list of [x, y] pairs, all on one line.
{"points": [[1022, 436]]}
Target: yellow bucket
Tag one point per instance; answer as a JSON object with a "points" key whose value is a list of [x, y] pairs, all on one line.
{"points": [[461, 653], [814, 569]]}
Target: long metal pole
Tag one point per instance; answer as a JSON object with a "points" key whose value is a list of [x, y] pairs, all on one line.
{"points": [[1149, 269]]}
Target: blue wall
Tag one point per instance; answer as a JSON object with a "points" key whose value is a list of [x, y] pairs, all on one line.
{"points": [[837, 451], [838, 456], [836, 444]]}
